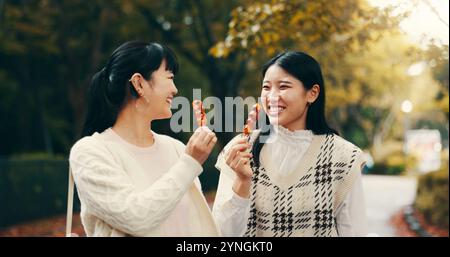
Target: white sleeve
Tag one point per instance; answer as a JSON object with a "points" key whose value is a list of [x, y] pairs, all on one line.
{"points": [[351, 216], [181, 148], [230, 210], [108, 193]]}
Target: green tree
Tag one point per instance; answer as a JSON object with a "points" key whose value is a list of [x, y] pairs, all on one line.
{"points": [[265, 27], [51, 49], [437, 57], [25, 49]]}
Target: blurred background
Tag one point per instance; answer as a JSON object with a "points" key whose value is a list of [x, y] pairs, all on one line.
{"points": [[386, 65]]}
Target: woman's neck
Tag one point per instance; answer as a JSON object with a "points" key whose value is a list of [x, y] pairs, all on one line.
{"points": [[299, 124], [134, 128]]}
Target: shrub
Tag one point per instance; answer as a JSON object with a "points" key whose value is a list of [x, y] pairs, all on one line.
{"points": [[390, 159], [394, 164], [32, 187], [432, 197]]}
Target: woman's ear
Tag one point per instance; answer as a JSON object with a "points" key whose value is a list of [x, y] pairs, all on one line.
{"points": [[313, 93], [135, 80]]}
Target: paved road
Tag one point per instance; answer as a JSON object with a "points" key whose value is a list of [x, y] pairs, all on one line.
{"points": [[384, 196]]}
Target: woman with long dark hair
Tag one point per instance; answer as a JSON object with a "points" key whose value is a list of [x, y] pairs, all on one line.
{"points": [[299, 177], [132, 181]]}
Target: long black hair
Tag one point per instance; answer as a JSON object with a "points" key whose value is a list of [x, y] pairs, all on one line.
{"points": [[306, 69], [108, 89]]}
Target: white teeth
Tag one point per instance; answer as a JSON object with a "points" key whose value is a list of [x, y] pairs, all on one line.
{"points": [[275, 110]]}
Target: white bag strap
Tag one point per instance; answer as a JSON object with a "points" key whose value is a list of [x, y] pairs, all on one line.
{"points": [[69, 205]]}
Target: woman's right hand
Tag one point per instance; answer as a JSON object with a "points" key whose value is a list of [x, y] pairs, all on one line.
{"points": [[238, 159], [201, 144]]}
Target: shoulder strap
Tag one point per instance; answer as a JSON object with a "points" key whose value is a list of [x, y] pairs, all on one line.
{"points": [[69, 205]]}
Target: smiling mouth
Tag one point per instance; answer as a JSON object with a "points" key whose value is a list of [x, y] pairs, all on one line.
{"points": [[169, 100], [275, 110]]}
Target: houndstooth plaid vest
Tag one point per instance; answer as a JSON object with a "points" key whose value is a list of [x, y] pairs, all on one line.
{"points": [[304, 203]]}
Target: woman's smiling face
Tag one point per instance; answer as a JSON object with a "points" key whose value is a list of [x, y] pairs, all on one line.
{"points": [[284, 98], [159, 93]]}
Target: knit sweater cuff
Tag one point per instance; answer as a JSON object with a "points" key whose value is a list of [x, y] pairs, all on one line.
{"points": [[192, 165]]}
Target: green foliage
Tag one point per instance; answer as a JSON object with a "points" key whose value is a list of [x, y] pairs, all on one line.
{"points": [[433, 197], [387, 169], [269, 26], [438, 58]]}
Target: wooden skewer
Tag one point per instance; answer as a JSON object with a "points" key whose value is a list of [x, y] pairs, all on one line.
{"points": [[199, 112], [247, 127]]}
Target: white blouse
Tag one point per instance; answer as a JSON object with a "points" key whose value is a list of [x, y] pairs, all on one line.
{"points": [[286, 149]]}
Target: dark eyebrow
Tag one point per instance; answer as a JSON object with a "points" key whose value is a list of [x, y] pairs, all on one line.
{"points": [[284, 81]]}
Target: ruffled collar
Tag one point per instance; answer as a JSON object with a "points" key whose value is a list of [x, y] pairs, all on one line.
{"points": [[293, 137], [287, 148]]}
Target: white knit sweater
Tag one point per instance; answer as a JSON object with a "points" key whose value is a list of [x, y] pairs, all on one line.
{"points": [[119, 199]]}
